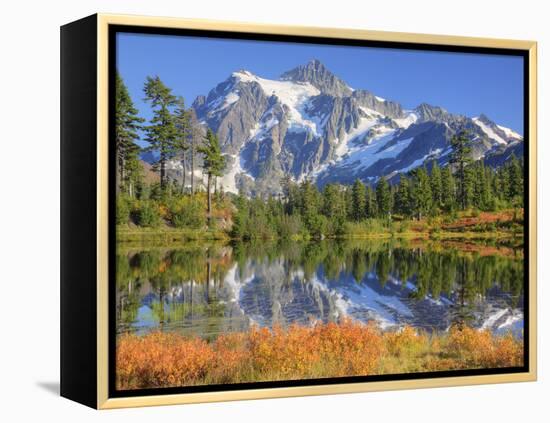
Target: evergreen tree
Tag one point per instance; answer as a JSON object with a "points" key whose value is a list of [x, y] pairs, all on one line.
{"points": [[162, 132], [213, 163], [310, 208], [448, 195], [371, 206], [194, 142], [358, 200], [383, 197], [291, 195], [133, 173], [488, 193], [482, 198], [127, 124], [286, 187], [421, 193], [183, 130], [309, 199], [334, 205], [478, 185], [469, 186], [496, 186], [504, 183], [403, 197], [461, 157], [515, 178], [436, 184]]}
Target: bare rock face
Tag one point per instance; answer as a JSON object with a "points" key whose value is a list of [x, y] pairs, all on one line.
{"points": [[311, 124], [429, 113], [232, 122], [315, 73], [387, 108]]}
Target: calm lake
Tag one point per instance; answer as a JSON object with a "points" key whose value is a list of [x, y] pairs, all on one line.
{"points": [[208, 289]]}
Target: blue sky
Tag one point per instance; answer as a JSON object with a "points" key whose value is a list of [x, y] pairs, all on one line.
{"points": [[468, 84]]}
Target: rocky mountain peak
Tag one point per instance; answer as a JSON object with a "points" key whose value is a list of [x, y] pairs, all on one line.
{"points": [[484, 119], [310, 124], [320, 77], [242, 74], [500, 134], [427, 112]]}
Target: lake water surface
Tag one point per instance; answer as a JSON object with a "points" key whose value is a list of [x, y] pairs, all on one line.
{"points": [[208, 289]]}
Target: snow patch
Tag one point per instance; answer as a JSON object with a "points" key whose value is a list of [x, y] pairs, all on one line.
{"points": [[229, 182], [418, 162], [371, 112], [510, 321], [489, 131], [493, 318], [231, 98], [377, 149], [294, 95], [222, 103], [407, 121], [344, 147], [509, 133]]}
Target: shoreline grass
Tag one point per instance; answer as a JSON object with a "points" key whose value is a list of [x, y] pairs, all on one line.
{"points": [[166, 235], [500, 226], [508, 247], [324, 350], [147, 235]]}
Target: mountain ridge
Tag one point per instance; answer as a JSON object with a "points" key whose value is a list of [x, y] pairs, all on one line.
{"points": [[311, 124]]}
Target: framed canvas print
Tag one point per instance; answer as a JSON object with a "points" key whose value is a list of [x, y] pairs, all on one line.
{"points": [[254, 211]]}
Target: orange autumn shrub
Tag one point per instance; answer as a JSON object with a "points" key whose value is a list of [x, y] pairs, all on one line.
{"points": [[509, 352], [349, 348], [298, 352], [284, 354], [160, 360], [435, 364], [479, 348], [405, 340], [232, 357]]}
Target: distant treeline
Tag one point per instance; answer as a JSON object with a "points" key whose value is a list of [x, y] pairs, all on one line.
{"points": [[304, 208]]}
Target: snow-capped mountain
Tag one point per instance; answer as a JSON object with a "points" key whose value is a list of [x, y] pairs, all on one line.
{"points": [[310, 124]]}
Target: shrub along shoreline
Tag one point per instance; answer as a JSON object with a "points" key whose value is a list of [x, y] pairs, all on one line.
{"points": [[324, 350]]}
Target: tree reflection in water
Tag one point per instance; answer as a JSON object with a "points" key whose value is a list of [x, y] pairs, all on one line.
{"points": [[207, 289]]}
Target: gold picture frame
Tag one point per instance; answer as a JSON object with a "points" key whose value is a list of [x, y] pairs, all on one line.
{"points": [[100, 360]]}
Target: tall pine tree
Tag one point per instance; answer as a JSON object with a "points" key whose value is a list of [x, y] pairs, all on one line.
{"points": [[127, 124], [383, 198], [183, 131], [371, 206], [403, 197], [194, 142], [358, 195], [448, 194], [334, 204], [213, 164], [461, 157], [162, 132], [515, 178], [436, 185], [309, 200], [422, 193]]}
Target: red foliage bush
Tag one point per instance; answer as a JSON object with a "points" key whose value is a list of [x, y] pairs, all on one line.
{"points": [[298, 352]]}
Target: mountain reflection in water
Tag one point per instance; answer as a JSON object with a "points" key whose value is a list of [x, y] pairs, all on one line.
{"points": [[208, 289]]}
